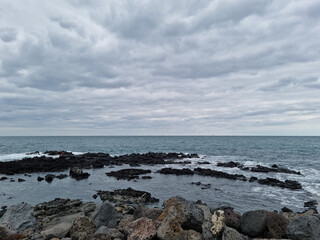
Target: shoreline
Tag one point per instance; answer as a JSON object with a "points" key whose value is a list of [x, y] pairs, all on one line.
{"points": [[126, 214]]}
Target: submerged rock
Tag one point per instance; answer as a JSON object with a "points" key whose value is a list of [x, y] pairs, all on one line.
{"points": [[78, 174], [128, 174], [127, 196], [293, 185], [184, 171]]}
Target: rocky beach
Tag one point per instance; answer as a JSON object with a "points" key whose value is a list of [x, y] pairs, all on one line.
{"points": [[135, 214]]}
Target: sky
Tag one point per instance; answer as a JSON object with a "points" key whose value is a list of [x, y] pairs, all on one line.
{"points": [[137, 67]]}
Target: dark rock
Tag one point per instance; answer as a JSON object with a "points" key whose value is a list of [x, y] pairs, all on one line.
{"points": [[228, 164], [68, 160], [254, 223], [306, 227], [78, 174], [27, 175], [33, 153], [219, 174], [128, 174], [204, 162], [134, 165], [146, 177], [106, 215], [97, 165], [61, 176], [40, 179], [21, 180], [95, 196], [3, 211], [294, 185], [105, 233], [3, 178], [277, 226], [274, 166], [285, 209], [184, 171], [127, 196], [311, 204], [49, 177], [232, 219], [253, 179]]}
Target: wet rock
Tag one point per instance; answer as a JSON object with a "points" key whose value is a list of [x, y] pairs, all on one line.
{"points": [[285, 209], [3, 178], [184, 171], [146, 177], [151, 213], [232, 219], [78, 174], [27, 175], [106, 215], [306, 227], [128, 174], [253, 179], [49, 178], [61, 176], [67, 160], [294, 185], [3, 211], [203, 163], [277, 226], [230, 164], [311, 204], [127, 196], [18, 218], [254, 223], [81, 228], [40, 179], [219, 174], [21, 180], [142, 229]]}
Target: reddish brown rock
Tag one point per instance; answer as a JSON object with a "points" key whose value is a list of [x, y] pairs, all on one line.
{"points": [[142, 229]]}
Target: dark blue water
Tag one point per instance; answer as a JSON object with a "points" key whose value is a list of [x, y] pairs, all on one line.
{"points": [[298, 153]]}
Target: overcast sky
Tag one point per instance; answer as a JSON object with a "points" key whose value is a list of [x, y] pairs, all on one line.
{"points": [[182, 67]]}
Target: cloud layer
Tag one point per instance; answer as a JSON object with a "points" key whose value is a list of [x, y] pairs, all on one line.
{"points": [[142, 67]]}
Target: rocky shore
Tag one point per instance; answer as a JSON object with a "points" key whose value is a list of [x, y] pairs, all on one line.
{"points": [[124, 214]]}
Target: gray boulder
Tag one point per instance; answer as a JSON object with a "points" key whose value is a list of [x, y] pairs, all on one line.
{"points": [[254, 223], [18, 218], [106, 215], [305, 228], [231, 234], [81, 228]]}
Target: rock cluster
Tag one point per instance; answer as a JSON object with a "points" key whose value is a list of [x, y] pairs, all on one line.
{"points": [[179, 219]]}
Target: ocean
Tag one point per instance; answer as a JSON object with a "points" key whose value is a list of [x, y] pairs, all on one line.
{"points": [[296, 153]]}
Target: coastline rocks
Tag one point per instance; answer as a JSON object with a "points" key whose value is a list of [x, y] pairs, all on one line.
{"points": [[18, 218], [219, 174], [49, 177], [81, 228], [107, 233], [231, 234], [294, 185], [254, 223], [106, 215], [151, 213], [46, 212], [277, 226], [142, 229], [127, 174], [306, 227], [232, 219], [78, 174], [127, 196], [184, 171]]}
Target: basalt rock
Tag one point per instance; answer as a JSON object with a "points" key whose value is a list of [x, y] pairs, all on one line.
{"points": [[66, 160], [127, 196], [254, 223], [128, 174], [219, 174], [306, 227], [106, 215], [293, 185], [184, 171], [78, 174]]}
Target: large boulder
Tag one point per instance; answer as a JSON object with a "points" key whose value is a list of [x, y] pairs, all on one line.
{"points": [[81, 228], [106, 215], [254, 223], [59, 227], [232, 219], [231, 234], [111, 233], [151, 213], [18, 218], [304, 228], [277, 226], [142, 229]]}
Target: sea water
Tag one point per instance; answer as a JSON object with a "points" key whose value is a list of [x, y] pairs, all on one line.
{"points": [[297, 153]]}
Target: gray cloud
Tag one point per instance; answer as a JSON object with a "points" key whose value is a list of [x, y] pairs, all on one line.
{"points": [[160, 67]]}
